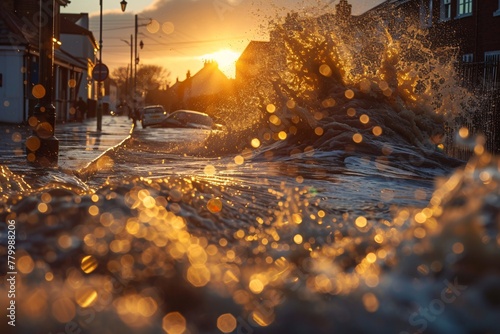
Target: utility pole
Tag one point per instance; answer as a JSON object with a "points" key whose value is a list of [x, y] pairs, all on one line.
{"points": [[136, 62], [130, 74], [99, 99], [130, 78], [42, 148], [102, 71]]}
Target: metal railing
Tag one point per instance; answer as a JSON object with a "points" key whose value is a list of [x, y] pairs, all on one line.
{"points": [[483, 80]]}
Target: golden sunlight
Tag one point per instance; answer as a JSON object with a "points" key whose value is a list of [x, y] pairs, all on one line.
{"points": [[226, 58]]}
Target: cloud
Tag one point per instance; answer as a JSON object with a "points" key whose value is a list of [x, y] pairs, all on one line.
{"points": [[187, 29]]}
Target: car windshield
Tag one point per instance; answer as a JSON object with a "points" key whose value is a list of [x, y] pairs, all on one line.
{"points": [[153, 110], [193, 118]]}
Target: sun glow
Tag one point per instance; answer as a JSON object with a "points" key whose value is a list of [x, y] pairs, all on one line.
{"points": [[226, 59]]}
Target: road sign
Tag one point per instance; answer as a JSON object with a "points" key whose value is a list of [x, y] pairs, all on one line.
{"points": [[100, 72]]}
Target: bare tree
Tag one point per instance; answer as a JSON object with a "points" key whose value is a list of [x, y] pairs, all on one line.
{"points": [[149, 77]]}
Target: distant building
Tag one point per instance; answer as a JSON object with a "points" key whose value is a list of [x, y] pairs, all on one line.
{"points": [[19, 62], [198, 90], [79, 41], [472, 25], [253, 61]]}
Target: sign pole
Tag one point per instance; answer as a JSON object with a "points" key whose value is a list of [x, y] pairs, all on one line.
{"points": [[99, 98]]}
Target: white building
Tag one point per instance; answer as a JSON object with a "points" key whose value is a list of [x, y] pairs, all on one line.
{"points": [[19, 61]]}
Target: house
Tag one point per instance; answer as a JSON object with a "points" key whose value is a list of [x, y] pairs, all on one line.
{"points": [[253, 61], [473, 27], [199, 90], [81, 44], [19, 45]]}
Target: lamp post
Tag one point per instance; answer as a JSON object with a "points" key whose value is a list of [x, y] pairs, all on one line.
{"points": [[42, 147], [123, 5], [136, 59], [129, 77]]}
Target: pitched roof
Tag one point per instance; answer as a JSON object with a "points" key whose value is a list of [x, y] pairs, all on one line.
{"points": [[209, 80], [73, 17], [68, 26], [12, 32], [254, 49]]}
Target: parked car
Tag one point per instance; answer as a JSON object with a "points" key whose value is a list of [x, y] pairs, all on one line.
{"points": [[152, 115], [190, 119]]}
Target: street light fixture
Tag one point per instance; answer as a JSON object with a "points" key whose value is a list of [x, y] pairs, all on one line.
{"points": [[123, 5]]}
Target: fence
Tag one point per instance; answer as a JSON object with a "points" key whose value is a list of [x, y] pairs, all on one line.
{"points": [[483, 80]]}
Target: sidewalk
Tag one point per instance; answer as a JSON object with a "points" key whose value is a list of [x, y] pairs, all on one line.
{"points": [[79, 142]]}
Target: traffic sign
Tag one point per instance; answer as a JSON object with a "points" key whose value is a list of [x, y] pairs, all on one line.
{"points": [[100, 72]]}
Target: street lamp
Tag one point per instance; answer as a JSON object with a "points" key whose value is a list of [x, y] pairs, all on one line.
{"points": [[123, 5]]}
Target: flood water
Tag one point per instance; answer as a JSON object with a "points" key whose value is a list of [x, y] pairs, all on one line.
{"points": [[329, 213]]}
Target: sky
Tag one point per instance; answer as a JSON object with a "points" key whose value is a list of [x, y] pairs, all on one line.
{"points": [[180, 34]]}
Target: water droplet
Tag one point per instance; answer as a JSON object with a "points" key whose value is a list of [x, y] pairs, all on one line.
{"points": [[364, 119], [357, 138], [167, 27], [377, 130], [25, 264], [239, 160], [16, 137], [361, 221], [370, 302], [214, 205], [209, 170], [44, 130], [153, 26], [226, 323], [85, 296], [325, 70], [256, 286], [298, 239], [88, 264], [174, 323], [38, 91], [255, 142], [33, 143], [349, 94]]}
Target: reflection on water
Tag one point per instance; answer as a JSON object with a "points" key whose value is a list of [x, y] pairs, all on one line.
{"points": [[334, 214]]}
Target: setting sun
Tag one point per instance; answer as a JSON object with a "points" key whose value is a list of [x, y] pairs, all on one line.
{"points": [[226, 59]]}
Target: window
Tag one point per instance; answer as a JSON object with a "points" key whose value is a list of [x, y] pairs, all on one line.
{"points": [[497, 12], [446, 10], [492, 69], [464, 8], [468, 58]]}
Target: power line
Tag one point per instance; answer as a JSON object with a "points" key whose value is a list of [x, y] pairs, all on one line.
{"points": [[190, 42]]}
